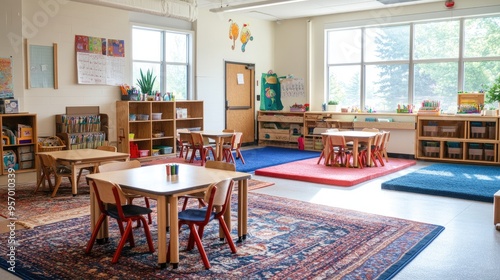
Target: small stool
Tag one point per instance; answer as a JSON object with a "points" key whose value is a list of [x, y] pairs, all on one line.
{"points": [[496, 208]]}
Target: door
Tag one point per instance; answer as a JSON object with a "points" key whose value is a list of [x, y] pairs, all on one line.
{"points": [[240, 105]]}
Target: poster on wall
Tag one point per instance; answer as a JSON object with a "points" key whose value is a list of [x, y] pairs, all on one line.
{"points": [[100, 61], [6, 88]]}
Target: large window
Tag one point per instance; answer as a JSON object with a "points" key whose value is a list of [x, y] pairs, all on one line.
{"points": [[380, 67], [167, 54]]}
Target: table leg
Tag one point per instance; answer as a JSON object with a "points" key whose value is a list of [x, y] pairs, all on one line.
{"points": [[162, 230], [74, 175], [242, 209], [355, 151], [95, 212], [174, 232], [369, 153]]}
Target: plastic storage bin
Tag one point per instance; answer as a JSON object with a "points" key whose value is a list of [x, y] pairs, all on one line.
{"points": [[156, 116], [163, 149]]}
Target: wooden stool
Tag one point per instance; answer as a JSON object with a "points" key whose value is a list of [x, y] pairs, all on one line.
{"points": [[496, 208]]}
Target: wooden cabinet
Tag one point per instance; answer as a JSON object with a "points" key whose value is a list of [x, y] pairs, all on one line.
{"points": [[147, 129], [82, 127], [19, 142], [277, 128], [473, 139]]}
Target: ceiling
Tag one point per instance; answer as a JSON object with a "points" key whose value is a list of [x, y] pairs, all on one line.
{"points": [[289, 9]]}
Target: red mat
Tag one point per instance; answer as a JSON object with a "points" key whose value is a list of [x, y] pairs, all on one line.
{"points": [[307, 170]]}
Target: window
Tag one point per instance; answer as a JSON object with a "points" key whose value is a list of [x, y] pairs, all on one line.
{"points": [[380, 67], [167, 54]]}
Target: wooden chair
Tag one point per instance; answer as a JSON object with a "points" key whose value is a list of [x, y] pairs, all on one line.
{"points": [[227, 150], [122, 165], [93, 168], [199, 144], [374, 151], [201, 195], [325, 139], [113, 203], [46, 173], [338, 150], [217, 196], [59, 171], [183, 141], [384, 145]]}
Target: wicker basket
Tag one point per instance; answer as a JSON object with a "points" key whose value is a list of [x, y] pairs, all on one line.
{"points": [[50, 144]]}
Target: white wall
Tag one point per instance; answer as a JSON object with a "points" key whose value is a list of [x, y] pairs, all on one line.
{"points": [[213, 48]]}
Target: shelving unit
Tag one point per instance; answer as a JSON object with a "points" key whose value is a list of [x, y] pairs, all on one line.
{"points": [[277, 128], [82, 127], [141, 128], [460, 138], [19, 150]]}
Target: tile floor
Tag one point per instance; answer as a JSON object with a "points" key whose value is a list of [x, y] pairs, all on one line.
{"points": [[469, 247]]}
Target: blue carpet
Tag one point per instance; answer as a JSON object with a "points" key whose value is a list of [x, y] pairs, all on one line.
{"points": [[269, 156], [472, 182]]}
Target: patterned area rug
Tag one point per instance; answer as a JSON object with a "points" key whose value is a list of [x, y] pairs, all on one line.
{"points": [[35, 209], [287, 239]]}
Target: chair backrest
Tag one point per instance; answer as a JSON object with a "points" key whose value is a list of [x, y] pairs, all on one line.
{"points": [[218, 194], [196, 138], [119, 165], [370, 129], [220, 165], [337, 140], [228, 140], [107, 148], [237, 140], [183, 137], [50, 162], [46, 162], [109, 192]]}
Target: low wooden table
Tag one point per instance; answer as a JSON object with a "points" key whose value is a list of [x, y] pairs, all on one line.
{"points": [[79, 158], [217, 136], [152, 181], [356, 137]]}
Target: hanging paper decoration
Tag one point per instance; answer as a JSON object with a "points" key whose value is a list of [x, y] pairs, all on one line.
{"points": [[234, 31], [270, 92], [245, 36]]}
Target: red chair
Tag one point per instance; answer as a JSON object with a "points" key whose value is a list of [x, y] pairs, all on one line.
{"points": [[199, 144], [338, 151], [112, 203], [227, 150], [218, 197]]}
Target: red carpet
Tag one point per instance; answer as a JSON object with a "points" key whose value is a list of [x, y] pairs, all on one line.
{"points": [[307, 170]]}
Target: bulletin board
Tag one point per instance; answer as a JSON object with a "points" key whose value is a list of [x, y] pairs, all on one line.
{"points": [[41, 68], [6, 85]]}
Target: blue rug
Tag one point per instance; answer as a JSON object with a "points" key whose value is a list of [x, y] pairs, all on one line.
{"points": [[270, 156], [472, 182]]}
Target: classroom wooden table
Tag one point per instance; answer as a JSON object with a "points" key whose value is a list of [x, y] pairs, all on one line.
{"points": [[356, 137], [153, 181], [80, 158], [218, 136]]}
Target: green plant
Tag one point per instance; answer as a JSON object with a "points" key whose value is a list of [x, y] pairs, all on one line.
{"points": [[146, 82], [333, 102], [493, 94]]}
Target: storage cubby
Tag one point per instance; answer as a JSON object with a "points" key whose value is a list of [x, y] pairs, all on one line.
{"points": [[277, 128], [465, 138], [19, 142], [147, 125]]}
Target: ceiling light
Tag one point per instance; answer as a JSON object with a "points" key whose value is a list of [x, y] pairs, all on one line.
{"points": [[252, 5]]}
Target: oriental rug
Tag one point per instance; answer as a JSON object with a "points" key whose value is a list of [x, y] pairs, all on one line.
{"points": [[471, 182], [308, 170], [35, 209], [287, 239]]}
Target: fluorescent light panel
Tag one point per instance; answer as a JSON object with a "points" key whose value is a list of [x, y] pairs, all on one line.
{"points": [[252, 5]]}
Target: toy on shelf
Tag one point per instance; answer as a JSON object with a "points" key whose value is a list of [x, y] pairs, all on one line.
{"points": [[404, 109], [430, 107], [470, 103]]}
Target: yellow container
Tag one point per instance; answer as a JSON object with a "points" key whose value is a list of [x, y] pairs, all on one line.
{"points": [[131, 136]]}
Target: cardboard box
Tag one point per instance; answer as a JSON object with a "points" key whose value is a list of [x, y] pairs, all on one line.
{"points": [[9, 106]]}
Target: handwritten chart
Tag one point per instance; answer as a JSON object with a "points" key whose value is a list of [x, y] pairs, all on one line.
{"points": [[94, 66]]}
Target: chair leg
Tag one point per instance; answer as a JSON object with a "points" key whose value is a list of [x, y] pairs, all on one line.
{"points": [[320, 157], [56, 187], [97, 227], [197, 240], [148, 235], [238, 153], [123, 240], [227, 234]]}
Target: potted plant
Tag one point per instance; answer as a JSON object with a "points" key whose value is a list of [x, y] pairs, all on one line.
{"points": [[493, 98], [333, 106], [146, 82]]}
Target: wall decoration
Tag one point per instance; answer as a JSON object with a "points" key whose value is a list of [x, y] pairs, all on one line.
{"points": [[234, 32], [41, 66], [245, 36], [6, 87], [100, 61], [270, 92]]}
